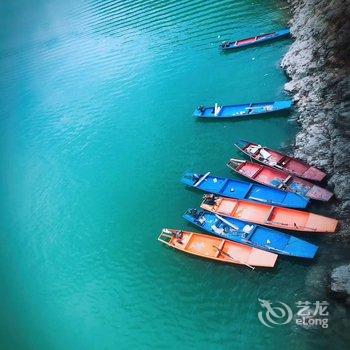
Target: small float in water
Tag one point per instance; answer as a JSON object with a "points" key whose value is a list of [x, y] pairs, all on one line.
{"points": [[256, 40], [238, 189], [279, 179], [242, 110], [218, 249], [269, 215], [253, 235], [280, 161]]}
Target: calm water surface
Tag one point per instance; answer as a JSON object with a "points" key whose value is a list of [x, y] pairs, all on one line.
{"points": [[95, 133]]}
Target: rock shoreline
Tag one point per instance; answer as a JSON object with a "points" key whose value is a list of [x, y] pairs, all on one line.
{"points": [[339, 283], [318, 64]]}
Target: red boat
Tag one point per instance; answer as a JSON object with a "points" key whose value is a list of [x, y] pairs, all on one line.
{"points": [[280, 161], [279, 179]]}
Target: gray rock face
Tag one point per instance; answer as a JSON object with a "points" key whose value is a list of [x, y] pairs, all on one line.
{"points": [[340, 283], [319, 67]]}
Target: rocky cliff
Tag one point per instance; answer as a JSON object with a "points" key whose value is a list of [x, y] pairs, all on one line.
{"points": [[318, 65]]}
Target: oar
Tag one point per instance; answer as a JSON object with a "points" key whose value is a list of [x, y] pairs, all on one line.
{"points": [[232, 258], [201, 179], [227, 222]]}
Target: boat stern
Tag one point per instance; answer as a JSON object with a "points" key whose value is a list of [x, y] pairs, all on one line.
{"points": [[321, 223], [286, 104], [314, 174], [319, 193], [283, 32], [262, 258], [293, 200], [299, 248]]}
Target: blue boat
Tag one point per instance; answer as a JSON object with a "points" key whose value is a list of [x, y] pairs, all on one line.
{"points": [[242, 110], [255, 40], [239, 189], [251, 234]]}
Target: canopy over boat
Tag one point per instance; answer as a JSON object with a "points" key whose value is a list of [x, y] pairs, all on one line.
{"points": [[242, 110], [256, 40], [280, 161], [279, 179], [216, 248], [269, 215], [250, 234], [238, 189]]}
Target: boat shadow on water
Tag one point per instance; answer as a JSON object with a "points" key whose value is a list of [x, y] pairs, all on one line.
{"points": [[270, 115], [267, 44]]}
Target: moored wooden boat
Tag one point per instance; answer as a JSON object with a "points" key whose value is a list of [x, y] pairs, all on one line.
{"points": [[250, 234], [218, 249], [241, 110], [280, 161], [269, 215], [256, 40], [279, 179], [238, 189]]}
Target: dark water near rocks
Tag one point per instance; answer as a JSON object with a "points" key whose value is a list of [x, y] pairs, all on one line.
{"points": [[95, 131]]}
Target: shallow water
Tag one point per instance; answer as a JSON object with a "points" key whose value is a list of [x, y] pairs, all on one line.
{"points": [[96, 131]]}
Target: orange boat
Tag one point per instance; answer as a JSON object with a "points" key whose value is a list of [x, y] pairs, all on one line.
{"points": [[269, 215], [216, 248]]}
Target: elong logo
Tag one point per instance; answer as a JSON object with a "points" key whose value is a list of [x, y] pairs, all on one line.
{"points": [[279, 313], [274, 315]]}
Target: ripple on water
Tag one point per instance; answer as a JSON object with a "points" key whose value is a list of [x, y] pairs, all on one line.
{"points": [[96, 130]]}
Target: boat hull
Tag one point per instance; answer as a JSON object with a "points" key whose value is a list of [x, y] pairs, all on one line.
{"points": [[253, 235], [237, 189], [242, 111], [257, 40], [280, 161], [217, 249], [269, 215], [279, 179]]}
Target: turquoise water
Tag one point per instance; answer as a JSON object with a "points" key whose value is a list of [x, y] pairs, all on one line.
{"points": [[95, 133]]}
